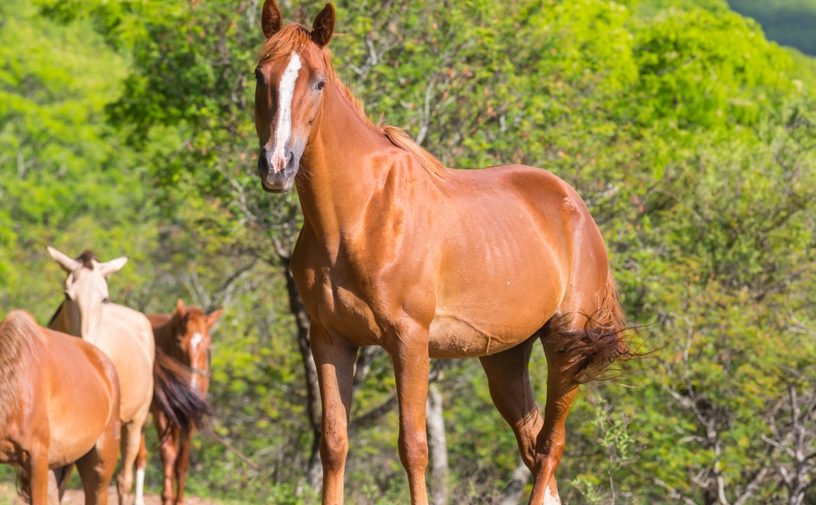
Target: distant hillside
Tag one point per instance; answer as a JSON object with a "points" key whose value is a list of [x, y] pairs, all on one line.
{"points": [[789, 22]]}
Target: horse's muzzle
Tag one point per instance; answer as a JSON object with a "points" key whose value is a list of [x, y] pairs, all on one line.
{"points": [[281, 180]]}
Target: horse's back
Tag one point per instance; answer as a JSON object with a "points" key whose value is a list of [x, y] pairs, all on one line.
{"points": [[127, 339]]}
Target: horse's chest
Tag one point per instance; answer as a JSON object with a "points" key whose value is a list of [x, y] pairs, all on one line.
{"points": [[341, 308]]}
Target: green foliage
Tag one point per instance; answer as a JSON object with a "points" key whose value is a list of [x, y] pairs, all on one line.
{"points": [[68, 179], [690, 136]]}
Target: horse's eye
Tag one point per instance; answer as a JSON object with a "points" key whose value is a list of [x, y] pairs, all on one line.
{"points": [[320, 85], [259, 75], [106, 300]]}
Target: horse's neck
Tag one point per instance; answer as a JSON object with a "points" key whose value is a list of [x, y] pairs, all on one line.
{"points": [[65, 320], [337, 177], [165, 334]]}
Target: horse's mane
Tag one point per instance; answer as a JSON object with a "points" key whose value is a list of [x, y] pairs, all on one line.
{"points": [[87, 258], [17, 333], [294, 37]]}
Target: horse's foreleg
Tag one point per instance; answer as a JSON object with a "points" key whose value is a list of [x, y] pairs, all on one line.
{"points": [[182, 466], [130, 443], [411, 367], [509, 382], [141, 464], [168, 449], [561, 391], [37, 470], [335, 371]]}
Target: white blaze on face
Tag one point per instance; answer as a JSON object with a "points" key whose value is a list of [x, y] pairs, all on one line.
{"points": [[196, 340], [194, 343], [283, 130]]}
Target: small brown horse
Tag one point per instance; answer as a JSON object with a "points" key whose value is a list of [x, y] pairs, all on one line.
{"points": [[126, 337], [59, 404], [183, 336], [398, 251]]}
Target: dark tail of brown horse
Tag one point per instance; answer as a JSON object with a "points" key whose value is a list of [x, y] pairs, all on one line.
{"points": [[600, 342], [174, 397]]}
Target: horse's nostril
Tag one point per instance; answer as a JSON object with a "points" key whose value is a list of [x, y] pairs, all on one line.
{"points": [[263, 164]]}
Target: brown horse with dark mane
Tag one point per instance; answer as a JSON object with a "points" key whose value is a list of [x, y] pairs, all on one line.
{"points": [[428, 262], [59, 405], [184, 337]]}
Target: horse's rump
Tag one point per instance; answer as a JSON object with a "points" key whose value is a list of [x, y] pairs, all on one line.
{"points": [[18, 332], [589, 349]]}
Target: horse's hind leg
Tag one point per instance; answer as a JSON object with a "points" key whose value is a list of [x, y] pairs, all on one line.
{"points": [[561, 390], [509, 383], [96, 468], [57, 478]]}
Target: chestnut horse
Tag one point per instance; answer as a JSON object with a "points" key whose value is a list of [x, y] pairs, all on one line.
{"points": [[428, 262], [59, 404], [185, 337], [126, 337]]}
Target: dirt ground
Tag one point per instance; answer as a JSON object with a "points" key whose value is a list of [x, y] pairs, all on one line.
{"points": [[77, 497]]}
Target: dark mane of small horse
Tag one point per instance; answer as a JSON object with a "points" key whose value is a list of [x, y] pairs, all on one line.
{"points": [[17, 333], [87, 258], [294, 37]]}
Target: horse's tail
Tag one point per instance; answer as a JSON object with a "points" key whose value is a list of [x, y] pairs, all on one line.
{"points": [[18, 332], [601, 341], [175, 397]]}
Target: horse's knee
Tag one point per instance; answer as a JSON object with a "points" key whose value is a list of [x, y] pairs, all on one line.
{"points": [[168, 456], [333, 449], [413, 449], [124, 483]]}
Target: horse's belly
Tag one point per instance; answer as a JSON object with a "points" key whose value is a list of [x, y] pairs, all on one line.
{"points": [[68, 445], [459, 337], [77, 415]]}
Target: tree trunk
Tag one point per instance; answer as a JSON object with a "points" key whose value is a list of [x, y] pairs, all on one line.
{"points": [[514, 489], [437, 448], [313, 406]]}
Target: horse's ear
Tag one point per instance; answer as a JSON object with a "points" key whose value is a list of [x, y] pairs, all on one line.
{"points": [[180, 307], [271, 18], [213, 317], [323, 26], [112, 266], [64, 261]]}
